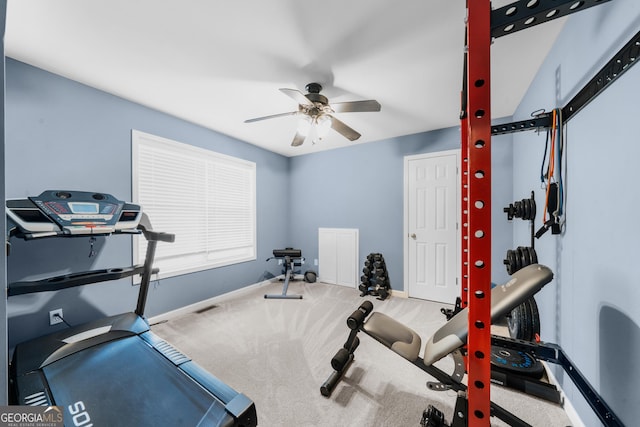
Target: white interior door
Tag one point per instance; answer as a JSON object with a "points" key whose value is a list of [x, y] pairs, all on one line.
{"points": [[431, 218]]}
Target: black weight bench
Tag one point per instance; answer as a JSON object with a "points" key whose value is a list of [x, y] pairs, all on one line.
{"points": [[291, 258]]}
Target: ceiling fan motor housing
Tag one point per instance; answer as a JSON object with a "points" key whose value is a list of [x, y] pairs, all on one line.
{"points": [[313, 87]]}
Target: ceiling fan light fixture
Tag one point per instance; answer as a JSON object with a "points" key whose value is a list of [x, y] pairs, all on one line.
{"points": [[304, 125], [323, 124], [316, 114]]}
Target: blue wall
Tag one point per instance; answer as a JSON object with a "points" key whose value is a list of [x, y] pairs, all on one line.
{"points": [[63, 135], [591, 308], [361, 186], [60, 134]]}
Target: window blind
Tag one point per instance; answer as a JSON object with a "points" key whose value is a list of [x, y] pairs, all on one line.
{"points": [[205, 198]]}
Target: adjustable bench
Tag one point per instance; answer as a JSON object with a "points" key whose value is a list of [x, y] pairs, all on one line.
{"points": [[291, 258], [448, 339]]}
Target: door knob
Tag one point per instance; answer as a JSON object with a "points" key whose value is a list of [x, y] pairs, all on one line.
{"points": [[413, 235]]}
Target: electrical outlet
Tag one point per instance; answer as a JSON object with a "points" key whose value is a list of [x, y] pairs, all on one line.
{"points": [[55, 316]]}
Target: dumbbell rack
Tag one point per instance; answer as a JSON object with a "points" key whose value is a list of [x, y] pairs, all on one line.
{"points": [[375, 277]]}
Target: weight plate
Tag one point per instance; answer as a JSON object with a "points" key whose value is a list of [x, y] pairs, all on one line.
{"points": [[524, 256], [521, 257], [534, 316], [519, 362], [509, 262], [518, 258], [517, 323]]}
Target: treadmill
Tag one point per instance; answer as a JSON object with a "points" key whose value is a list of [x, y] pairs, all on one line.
{"points": [[111, 371]]}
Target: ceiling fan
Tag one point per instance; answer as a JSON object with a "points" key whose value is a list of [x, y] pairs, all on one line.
{"points": [[316, 110]]}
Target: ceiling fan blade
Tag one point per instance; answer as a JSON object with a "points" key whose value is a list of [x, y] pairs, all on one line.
{"points": [[257, 119], [356, 106], [297, 96], [343, 129], [298, 139]]}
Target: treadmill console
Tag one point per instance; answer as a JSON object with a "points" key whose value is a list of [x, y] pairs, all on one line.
{"points": [[60, 212]]}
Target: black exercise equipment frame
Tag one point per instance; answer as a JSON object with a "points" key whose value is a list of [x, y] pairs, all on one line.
{"points": [[553, 353], [621, 61], [524, 14], [289, 256]]}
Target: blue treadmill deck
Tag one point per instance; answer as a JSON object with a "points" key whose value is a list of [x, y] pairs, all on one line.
{"points": [[116, 372]]}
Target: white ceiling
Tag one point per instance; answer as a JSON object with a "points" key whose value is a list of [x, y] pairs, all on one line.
{"points": [[218, 63]]}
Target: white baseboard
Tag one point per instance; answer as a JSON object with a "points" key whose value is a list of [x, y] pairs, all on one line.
{"points": [[566, 403], [200, 305], [399, 294]]}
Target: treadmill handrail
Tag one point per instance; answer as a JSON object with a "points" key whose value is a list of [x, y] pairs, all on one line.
{"points": [[77, 279], [73, 279]]}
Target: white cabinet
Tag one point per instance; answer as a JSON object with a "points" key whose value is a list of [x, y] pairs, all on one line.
{"points": [[338, 256]]}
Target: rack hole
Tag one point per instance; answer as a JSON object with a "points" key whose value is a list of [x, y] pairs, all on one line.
{"points": [[479, 354], [479, 114], [479, 384], [479, 324], [576, 5], [508, 28], [511, 11], [533, 3], [479, 174], [479, 204], [530, 20], [479, 263], [479, 143], [553, 13], [479, 294], [478, 413], [479, 234], [479, 83]]}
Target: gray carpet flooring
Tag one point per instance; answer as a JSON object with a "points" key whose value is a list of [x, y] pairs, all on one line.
{"points": [[278, 353]]}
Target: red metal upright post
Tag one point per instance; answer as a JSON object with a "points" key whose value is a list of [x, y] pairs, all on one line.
{"points": [[477, 229]]}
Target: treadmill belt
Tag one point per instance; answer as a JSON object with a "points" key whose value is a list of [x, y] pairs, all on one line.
{"points": [[128, 383]]}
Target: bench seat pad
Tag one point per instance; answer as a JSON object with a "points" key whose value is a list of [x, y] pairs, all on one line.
{"points": [[394, 335]]}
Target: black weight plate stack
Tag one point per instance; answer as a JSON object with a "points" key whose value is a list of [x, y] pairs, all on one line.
{"points": [[518, 362], [534, 316], [517, 324], [519, 258], [524, 321]]}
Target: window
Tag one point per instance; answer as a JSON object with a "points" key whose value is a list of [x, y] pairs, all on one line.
{"points": [[208, 200]]}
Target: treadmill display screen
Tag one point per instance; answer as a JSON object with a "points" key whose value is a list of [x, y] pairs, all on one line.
{"points": [[83, 208]]}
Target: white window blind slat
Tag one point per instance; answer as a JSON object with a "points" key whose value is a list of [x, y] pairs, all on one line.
{"points": [[206, 199]]}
